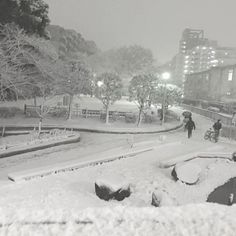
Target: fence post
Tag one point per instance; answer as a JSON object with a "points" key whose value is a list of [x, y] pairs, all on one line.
{"points": [[25, 109], [3, 131]]}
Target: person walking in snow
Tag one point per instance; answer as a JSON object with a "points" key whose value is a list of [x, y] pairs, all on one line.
{"points": [[190, 125], [217, 127]]}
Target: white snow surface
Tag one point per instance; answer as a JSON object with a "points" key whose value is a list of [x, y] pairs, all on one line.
{"points": [[189, 220], [115, 183]]}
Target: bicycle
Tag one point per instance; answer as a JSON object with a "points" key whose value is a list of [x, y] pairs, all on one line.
{"points": [[211, 135]]}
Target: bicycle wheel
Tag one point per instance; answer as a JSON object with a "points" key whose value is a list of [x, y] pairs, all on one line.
{"points": [[206, 136], [213, 138]]}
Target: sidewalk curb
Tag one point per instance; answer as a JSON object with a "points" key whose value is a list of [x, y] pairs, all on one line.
{"points": [[69, 166], [48, 127], [37, 147]]}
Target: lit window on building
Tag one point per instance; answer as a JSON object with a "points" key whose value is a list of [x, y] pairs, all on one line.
{"points": [[230, 75]]}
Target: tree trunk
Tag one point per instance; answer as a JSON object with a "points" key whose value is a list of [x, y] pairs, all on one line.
{"points": [[107, 114], [139, 116], [40, 125], [70, 108], [35, 101]]}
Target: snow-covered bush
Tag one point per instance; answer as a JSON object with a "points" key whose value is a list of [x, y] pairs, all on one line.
{"points": [[234, 156], [7, 112], [130, 118], [160, 198], [186, 172], [112, 190]]}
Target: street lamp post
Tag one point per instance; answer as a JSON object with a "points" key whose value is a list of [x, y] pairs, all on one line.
{"points": [[165, 76]]}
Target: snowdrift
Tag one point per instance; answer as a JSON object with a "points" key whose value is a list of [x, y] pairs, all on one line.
{"points": [[194, 220]]}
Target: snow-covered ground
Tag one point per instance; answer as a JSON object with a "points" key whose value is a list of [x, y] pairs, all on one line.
{"points": [[69, 195]]}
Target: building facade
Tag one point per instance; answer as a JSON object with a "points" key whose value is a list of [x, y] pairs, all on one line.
{"points": [[217, 84]]}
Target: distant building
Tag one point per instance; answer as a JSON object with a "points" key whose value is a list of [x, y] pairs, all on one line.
{"points": [[217, 84], [188, 60], [190, 39], [197, 53]]}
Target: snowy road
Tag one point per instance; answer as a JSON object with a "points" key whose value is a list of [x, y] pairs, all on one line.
{"points": [[92, 143]]}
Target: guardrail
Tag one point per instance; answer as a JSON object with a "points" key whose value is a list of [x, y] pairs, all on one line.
{"points": [[210, 114], [31, 110], [228, 130]]}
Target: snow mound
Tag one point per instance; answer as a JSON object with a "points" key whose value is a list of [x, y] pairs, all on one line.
{"points": [[186, 172], [194, 220]]}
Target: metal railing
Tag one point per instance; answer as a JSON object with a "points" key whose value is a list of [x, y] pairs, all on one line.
{"points": [[228, 130]]}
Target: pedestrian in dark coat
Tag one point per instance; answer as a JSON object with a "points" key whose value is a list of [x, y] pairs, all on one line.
{"points": [[190, 125], [217, 127]]}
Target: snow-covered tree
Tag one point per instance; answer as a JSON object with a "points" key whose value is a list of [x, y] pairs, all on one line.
{"points": [[167, 95], [108, 89], [74, 79], [126, 61], [26, 62], [30, 15], [141, 89]]}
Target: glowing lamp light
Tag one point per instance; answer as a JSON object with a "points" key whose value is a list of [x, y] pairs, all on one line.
{"points": [[165, 75], [99, 83]]}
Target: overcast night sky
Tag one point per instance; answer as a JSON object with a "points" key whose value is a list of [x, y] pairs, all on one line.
{"points": [[154, 24]]}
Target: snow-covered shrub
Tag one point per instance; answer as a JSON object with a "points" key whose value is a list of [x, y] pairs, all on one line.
{"points": [[104, 192], [160, 198], [103, 116], [58, 112], [7, 112], [130, 118], [112, 190], [186, 172], [234, 156]]}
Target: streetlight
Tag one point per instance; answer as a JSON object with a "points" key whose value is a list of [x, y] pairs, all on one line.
{"points": [[99, 83], [165, 76]]}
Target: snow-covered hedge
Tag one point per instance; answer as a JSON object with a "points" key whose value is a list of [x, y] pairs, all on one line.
{"points": [[186, 172]]}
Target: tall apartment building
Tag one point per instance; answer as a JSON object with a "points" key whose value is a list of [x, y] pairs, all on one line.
{"points": [[197, 53], [183, 62], [190, 39]]}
